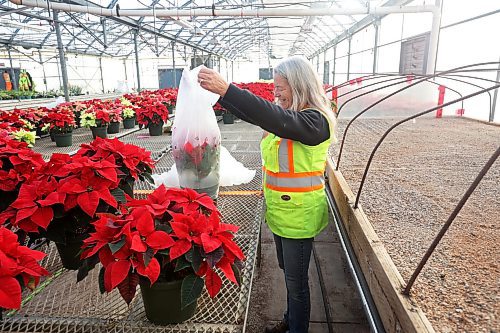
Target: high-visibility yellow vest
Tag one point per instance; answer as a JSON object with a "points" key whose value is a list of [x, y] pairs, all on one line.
{"points": [[294, 186]]}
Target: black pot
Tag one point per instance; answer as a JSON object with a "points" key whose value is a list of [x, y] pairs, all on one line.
{"points": [[128, 123], [99, 132], [113, 127], [228, 118], [70, 253], [52, 136], [162, 302], [63, 139], [155, 129]]}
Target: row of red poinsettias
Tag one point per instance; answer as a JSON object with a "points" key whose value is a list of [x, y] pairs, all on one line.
{"points": [[90, 195], [148, 106]]}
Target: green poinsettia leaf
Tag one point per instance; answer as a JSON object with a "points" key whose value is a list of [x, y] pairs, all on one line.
{"points": [[148, 178], [164, 252], [119, 194], [115, 247], [214, 257], [237, 273], [101, 281], [87, 265], [192, 287], [195, 258], [163, 226], [148, 255], [181, 263]]}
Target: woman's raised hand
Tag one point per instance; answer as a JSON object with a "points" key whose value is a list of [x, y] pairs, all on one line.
{"points": [[212, 81]]}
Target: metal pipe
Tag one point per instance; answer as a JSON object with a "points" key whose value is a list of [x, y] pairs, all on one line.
{"points": [[43, 70], [495, 94], [376, 24], [12, 73], [454, 214], [136, 49], [334, 64], [358, 195], [102, 77], [434, 39], [173, 65], [349, 57], [454, 70], [240, 12], [62, 59], [367, 302]]}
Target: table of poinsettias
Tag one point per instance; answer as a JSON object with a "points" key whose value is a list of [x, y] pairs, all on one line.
{"points": [[59, 303]]}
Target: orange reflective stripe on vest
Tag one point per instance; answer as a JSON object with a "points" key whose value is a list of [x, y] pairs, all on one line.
{"points": [[286, 180]]}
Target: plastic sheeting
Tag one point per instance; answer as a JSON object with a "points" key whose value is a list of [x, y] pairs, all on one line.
{"points": [[232, 172]]}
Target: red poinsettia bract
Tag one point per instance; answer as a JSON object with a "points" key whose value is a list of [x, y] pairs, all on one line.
{"points": [[17, 163], [17, 263]]}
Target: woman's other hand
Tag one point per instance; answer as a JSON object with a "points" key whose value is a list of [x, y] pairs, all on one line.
{"points": [[212, 81]]}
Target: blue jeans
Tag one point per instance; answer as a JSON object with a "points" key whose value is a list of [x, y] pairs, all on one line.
{"points": [[293, 259]]}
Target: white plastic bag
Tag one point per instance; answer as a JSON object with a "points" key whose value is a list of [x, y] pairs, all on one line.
{"points": [[232, 172], [59, 100], [196, 136]]}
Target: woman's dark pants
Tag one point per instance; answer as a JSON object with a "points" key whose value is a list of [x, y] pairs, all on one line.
{"points": [[293, 259]]}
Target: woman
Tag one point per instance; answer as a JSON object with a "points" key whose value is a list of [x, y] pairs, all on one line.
{"points": [[294, 154]]}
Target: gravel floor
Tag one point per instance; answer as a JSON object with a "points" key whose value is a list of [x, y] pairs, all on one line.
{"points": [[417, 177]]}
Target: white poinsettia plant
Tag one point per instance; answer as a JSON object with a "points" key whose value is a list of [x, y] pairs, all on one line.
{"points": [[128, 113], [125, 102], [88, 119], [25, 136]]}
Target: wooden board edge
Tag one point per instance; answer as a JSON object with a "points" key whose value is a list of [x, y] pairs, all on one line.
{"points": [[399, 313]]}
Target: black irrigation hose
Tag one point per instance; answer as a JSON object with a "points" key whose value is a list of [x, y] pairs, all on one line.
{"points": [[454, 214]]}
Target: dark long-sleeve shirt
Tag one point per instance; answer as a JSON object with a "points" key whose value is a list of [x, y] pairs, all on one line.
{"points": [[309, 126]]}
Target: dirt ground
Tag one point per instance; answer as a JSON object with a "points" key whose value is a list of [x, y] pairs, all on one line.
{"points": [[417, 177]]}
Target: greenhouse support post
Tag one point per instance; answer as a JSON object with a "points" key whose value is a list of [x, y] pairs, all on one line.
{"points": [[62, 59], [442, 90], [136, 49], [102, 77], [12, 73], [376, 25], [495, 95], [434, 39], [43, 70], [173, 65], [334, 63], [349, 39]]}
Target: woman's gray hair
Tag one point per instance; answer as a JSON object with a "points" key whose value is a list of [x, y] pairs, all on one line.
{"points": [[307, 89]]}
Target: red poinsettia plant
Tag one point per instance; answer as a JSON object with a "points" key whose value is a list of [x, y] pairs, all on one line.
{"points": [[115, 112], [59, 120], [174, 234], [61, 198], [134, 163], [261, 89], [200, 158], [17, 164], [151, 111], [19, 268]]}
